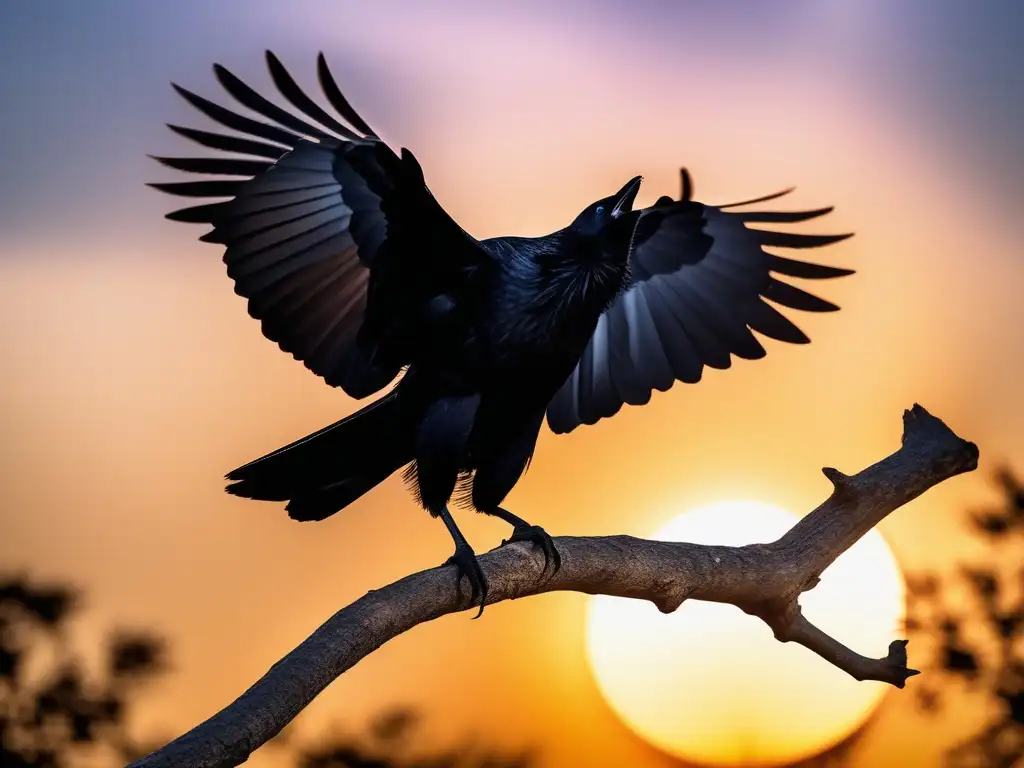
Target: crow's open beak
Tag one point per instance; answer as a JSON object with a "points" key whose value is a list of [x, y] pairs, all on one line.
{"points": [[625, 197]]}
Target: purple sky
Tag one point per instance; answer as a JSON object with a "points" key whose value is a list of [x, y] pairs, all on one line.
{"points": [[84, 85]]}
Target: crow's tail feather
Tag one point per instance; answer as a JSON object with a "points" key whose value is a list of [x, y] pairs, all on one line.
{"points": [[326, 471]]}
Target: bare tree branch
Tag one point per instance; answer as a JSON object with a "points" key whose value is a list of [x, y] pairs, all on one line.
{"points": [[764, 580]]}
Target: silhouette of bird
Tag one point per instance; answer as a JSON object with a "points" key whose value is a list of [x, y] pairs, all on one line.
{"points": [[352, 266]]}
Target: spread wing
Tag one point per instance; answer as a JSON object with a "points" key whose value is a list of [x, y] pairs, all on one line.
{"points": [[332, 238], [699, 282]]}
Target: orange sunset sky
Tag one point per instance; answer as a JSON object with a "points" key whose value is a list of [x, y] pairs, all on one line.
{"points": [[133, 377]]}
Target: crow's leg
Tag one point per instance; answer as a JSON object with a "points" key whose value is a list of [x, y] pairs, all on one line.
{"points": [[502, 456], [465, 561], [523, 531], [440, 451]]}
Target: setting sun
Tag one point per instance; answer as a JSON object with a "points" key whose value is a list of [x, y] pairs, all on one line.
{"points": [[711, 684]]}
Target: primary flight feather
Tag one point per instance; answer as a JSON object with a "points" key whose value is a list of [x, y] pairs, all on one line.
{"points": [[352, 266]]}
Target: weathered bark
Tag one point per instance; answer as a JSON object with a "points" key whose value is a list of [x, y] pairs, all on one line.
{"points": [[764, 580]]}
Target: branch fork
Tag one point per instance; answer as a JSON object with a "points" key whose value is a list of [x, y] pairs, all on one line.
{"points": [[764, 580]]}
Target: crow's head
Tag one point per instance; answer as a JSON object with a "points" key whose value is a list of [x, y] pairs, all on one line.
{"points": [[608, 224]]}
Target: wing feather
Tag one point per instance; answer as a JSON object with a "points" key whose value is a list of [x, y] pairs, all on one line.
{"points": [[226, 143], [318, 206], [237, 122], [701, 278], [290, 90], [214, 165], [216, 188], [626, 378], [683, 357]]}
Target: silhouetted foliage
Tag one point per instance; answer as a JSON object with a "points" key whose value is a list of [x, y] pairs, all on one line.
{"points": [[980, 643], [54, 714], [52, 711], [837, 756], [394, 741]]}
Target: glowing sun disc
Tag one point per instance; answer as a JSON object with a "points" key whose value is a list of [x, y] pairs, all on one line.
{"points": [[711, 684]]}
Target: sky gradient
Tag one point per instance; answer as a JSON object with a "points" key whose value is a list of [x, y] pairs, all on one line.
{"points": [[135, 379]]}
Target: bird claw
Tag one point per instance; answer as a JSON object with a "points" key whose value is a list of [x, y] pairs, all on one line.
{"points": [[538, 536], [466, 562]]}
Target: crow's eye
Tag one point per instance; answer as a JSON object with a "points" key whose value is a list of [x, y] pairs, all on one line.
{"points": [[600, 210]]}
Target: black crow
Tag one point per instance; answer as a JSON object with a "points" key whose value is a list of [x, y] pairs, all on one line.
{"points": [[353, 267]]}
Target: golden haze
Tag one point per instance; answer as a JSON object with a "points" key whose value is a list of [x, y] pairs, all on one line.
{"points": [[134, 380]]}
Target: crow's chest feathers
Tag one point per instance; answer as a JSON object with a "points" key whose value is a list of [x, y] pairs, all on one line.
{"points": [[544, 317]]}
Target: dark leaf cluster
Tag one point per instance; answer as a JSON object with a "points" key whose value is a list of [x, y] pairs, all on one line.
{"points": [[52, 710], [979, 643], [395, 740]]}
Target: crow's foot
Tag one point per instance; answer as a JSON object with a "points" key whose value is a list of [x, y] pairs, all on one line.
{"points": [[467, 564], [465, 560], [537, 535]]}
